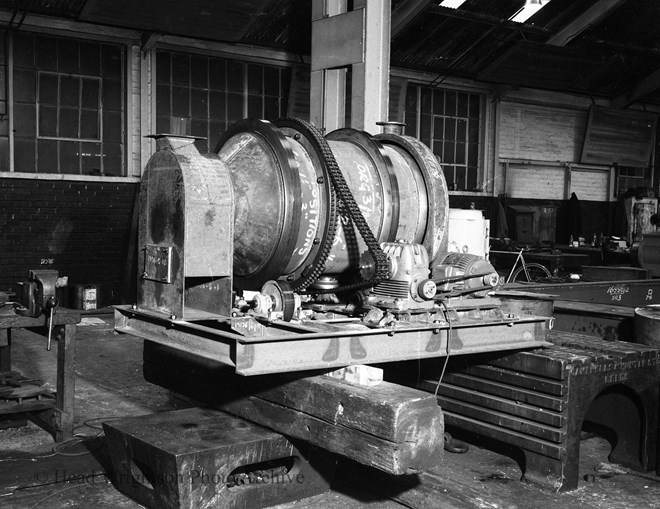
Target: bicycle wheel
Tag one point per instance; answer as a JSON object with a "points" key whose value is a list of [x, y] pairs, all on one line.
{"points": [[536, 272]]}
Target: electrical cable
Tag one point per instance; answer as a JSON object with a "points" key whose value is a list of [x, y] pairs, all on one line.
{"points": [[445, 311], [54, 493]]}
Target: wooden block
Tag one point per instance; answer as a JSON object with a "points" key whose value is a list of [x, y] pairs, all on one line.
{"points": [[394, 428], [204, 458]]}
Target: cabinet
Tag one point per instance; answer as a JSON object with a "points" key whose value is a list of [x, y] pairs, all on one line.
{"points": [[639, 212], [533, 224]]}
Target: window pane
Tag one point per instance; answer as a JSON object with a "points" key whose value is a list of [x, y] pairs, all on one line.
{"points": [[163, 100], [24, 85], [438, 102], [462, 105], [46, 50], [67, 56], [68, 123], [112, 126], [90, 94], [450, 103], [218, 74], [47, 156], [473, 154], [235, 76], [90, 59], [24, 154], [48, 89], [69, 157], [4, 154], [199, 103], [472, 179], [473, 130], [199, 128], [234, 107], [450, 129], [460, 177], [111, 61], [162, 67], [112, 95], [425, 129], [181, 69], [216, 130], [24, 120], [439, 128], [449, 176], [89, 124], [271, 81], [427, 101], [23, 50], [47, 121], [218, 108], [70, 91], [285, 79], [163, 124], [255, 79], [180, 102], [411, 111], [90, 158], [199, 75], [112, 159], [272, 108], [255, 106], [460, 153], [461, 130], [474, 106], [448, 152]]}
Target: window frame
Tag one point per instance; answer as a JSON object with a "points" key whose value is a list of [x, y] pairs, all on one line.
{"points": [[125, 79], [246, 90], [425, 131]]}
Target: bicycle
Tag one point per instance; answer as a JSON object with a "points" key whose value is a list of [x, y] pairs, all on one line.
{"points": [[527, 272]]}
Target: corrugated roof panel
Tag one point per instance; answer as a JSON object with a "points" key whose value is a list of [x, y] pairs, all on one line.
{"points": [[228, 20]]}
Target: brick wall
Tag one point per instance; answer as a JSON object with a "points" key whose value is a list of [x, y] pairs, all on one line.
{"points": [[541, 133], [590, 185], [80, 229]]}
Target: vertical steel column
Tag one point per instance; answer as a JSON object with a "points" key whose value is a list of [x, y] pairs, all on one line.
{"points": [[361, 39], [327, 84], [371, 78]]}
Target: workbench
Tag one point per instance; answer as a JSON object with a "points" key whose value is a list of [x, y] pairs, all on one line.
{"points": [[594, 253], [555, 261], [53, 412]]}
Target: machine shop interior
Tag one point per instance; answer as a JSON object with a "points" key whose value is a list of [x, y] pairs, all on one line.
{"points": [[329, 253]]}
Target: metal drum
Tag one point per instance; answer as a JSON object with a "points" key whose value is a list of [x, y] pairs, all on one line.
{"points": [[647, 325], [289, 224], [648, 252]]}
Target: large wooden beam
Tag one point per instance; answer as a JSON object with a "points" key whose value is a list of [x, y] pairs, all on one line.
{"points": [[588, 18], [405, 13], [393, 428], [643, 88]]}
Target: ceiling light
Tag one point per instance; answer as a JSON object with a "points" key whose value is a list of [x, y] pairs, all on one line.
{"points": [[530, 8], [452, 4]]}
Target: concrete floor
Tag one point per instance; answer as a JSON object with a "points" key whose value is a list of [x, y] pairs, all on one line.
{"points": [[36, 473]]}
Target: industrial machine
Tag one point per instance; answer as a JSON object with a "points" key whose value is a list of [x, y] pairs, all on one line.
{"points": [[288, 250]]}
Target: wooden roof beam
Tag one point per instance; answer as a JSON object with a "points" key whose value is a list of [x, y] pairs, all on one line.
{"points": [[405, 14], [643, 88], [590, 17], [486, 19]]}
